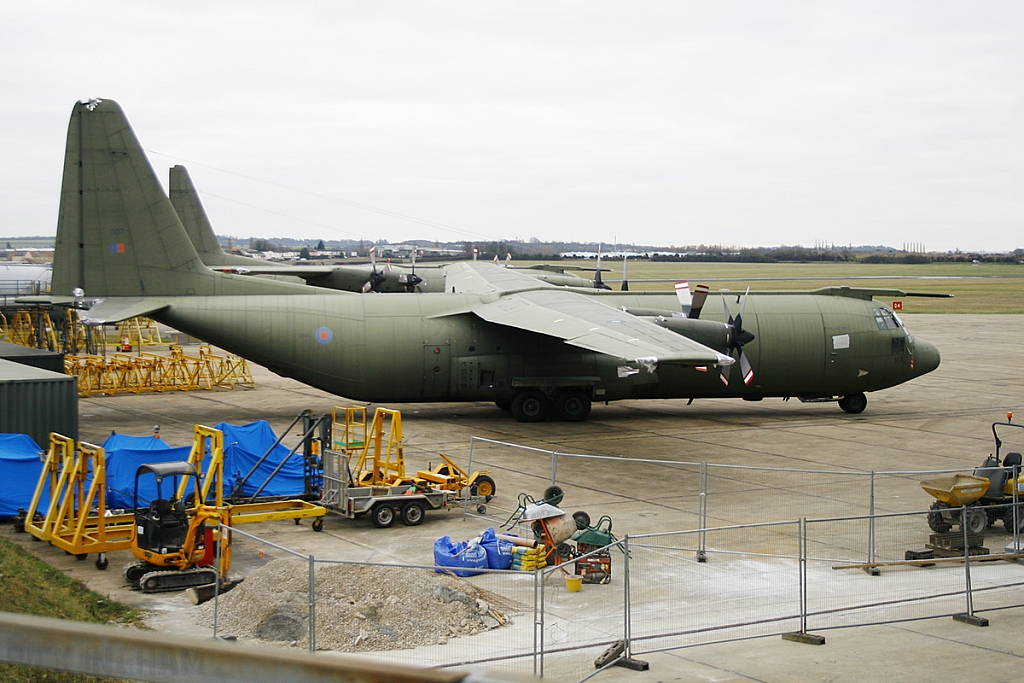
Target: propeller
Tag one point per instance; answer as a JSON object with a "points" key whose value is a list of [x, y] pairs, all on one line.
{"points": [[598, 282], [376, 279], [691, 304], [412, 281], [737, 338], [508, 258]]}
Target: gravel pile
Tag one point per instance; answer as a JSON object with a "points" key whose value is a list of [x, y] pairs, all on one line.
{"points": [[358, 608]]}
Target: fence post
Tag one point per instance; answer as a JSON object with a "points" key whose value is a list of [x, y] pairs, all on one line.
{"points": [[702, 512], [627, 627], [538, 623], [802, 636], [312, 604], [216, 569], [873, 571], [968, 617]]}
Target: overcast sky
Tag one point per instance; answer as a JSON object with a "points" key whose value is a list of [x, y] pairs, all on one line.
{"points": [[669, 123]]}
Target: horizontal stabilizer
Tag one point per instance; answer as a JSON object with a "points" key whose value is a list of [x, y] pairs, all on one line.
{"points": [[116, 309]]}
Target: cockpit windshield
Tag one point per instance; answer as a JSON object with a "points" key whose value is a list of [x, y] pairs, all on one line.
{"points": [[887, 320]]}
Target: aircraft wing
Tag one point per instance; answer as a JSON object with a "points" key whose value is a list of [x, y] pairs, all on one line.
{"points": [[295, 271], [585, 322], [484, 278]]}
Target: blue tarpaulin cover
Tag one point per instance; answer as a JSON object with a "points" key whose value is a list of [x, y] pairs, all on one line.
{"points": [[20, 467], [124, 456], [243, 447]]}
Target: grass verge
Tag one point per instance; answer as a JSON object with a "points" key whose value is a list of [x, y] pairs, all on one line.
{"points": [[30, 586]]}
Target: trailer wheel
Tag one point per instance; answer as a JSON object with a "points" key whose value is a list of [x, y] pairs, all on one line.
{"points": [[383, 516], [318, 524], [484, 487], [412, 513]]}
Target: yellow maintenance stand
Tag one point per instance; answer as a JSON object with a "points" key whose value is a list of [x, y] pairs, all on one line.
{"points": [[77, 518]]}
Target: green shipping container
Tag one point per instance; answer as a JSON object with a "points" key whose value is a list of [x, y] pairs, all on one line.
{"points": [[37, 402]]}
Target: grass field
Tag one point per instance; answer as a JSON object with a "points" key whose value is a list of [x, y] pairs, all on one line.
{"points": [[983, 288], [29, 586]]}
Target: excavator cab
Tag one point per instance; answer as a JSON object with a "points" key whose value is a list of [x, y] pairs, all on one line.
{"points": [[162, 526]]}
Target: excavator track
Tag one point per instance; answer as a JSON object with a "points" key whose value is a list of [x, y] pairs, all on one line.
{"points": [[135, 570], [176, 579]]}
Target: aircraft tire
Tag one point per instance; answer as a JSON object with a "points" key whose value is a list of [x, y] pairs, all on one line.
{"points": [[530, 405], [854, 403], [383, 516], [572, 405], [504, 405]]}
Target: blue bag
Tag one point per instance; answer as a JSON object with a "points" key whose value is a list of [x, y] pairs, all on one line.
{"points": [[461, 555]]}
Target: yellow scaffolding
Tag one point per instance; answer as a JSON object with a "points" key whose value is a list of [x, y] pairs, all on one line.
{"points": [[349, 435], [124, 373], [139, 332]]}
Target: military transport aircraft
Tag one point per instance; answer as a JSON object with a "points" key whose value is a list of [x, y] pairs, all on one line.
{"points": [[494, 334], [352, 278]]}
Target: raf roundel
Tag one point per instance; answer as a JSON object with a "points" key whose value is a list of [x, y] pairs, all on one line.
{"points": [[324, 335]]}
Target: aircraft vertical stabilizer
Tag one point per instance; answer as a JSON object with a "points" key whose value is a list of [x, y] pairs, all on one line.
{"points": [[117, 232]]}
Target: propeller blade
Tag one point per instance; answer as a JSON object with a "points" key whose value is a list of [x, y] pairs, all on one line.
{"points": [[700, 295], [495, 259], [683, 295], [745, 369], [723, 376], [598, 284], [625, 276], [508, 259], [476, 252]]}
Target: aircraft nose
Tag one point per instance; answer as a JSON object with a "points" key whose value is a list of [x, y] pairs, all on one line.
{"points": [[926, 357]]}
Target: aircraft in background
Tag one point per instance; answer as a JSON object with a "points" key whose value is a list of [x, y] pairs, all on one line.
{"points": [[495, 334], [363, 278]]}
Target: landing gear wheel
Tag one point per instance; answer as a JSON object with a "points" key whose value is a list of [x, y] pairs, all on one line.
{"points": [[530, 405], [412, 513], [854, 403], [553, 495], [572, 405], [318, 524], [383, 516], [935, 520], [102, 562], [484, 487], [582, 519], [975, 521]]}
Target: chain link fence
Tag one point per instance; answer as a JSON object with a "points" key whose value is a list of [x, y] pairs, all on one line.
{"points": [[712, 554]]}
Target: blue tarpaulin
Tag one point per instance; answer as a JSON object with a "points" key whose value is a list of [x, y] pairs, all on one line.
{"points": [[244, 445], [20, 467], [124, 456]]}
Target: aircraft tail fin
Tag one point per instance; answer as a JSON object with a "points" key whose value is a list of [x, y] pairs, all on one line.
{"points": [[185, 200], [117, 232]]}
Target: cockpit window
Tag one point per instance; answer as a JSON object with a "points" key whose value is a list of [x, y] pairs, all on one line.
{"points": [[887, 320]]}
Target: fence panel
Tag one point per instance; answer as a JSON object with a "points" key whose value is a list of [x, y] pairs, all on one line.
{"points": [[748, 586]]}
